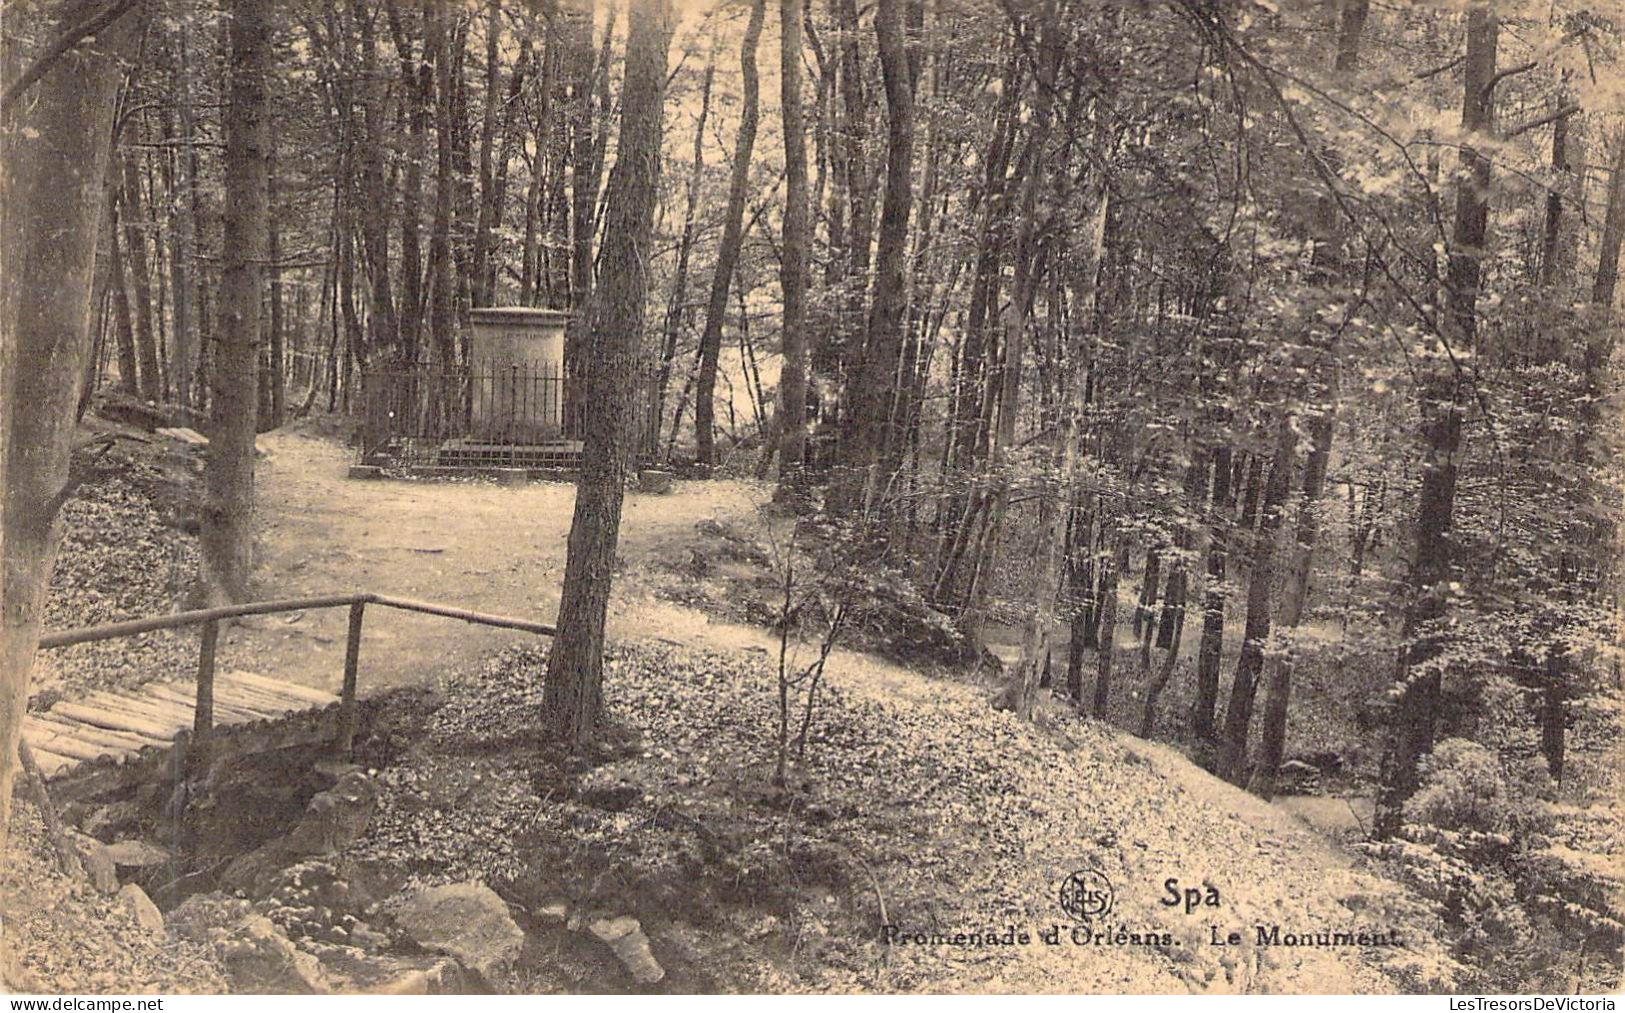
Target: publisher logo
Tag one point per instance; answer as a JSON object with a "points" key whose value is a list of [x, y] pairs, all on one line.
{"points": [[1086, 894]]}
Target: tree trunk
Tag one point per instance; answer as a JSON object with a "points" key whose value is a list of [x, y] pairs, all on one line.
{"points": [[1294, 597], [227, 534], [792, 414], [417, 77], [442, 293], [573, 697], [1210, 652], [124, 332], [276, 361], [135, 251], [716, 308], [1238, 712], [1107, 652], [183, 237], [677, 305], [54, 163], [1415, 694], [488, 127]]}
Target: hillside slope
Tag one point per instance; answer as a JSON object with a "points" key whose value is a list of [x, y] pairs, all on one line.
{"points": [[918, 806]]}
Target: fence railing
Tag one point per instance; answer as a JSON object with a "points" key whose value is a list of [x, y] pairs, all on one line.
{"points": [[210, 619], [431, 414]]}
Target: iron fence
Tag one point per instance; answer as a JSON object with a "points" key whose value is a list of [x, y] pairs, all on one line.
{"points": [[473, 416]]}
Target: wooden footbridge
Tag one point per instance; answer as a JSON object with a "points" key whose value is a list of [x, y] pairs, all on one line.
{"points": [[114, 732]]}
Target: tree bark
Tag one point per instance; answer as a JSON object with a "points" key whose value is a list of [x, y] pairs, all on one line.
{"points": [[573, 696], [135, 251], [792, 414], [1294, 598], [733, 223], [54, 159], [227, 533], [1210, 652], [124, 331], [1238, 713]]}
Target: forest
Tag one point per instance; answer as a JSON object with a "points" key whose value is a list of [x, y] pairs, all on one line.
{"points": [[1240, 375]]}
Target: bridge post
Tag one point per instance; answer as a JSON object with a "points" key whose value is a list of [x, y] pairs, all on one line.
{"points": [[203, 711], [352, 665]]}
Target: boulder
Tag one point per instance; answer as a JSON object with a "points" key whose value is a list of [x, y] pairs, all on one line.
{"points": [[207, 917], [467, 921], [625, 937], [137, 854], [141, 908], [336, 817], [99, 864], [105, 822], [259, 960]]}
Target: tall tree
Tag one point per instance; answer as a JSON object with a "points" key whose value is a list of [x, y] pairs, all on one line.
{"points": [[1443, 393], [792, 413], [227, 534], [56, 136], [573, 696], [733, 235], [869, 432]]}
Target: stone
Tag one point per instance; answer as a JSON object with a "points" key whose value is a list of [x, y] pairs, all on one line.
{"points": [[141, 908], [260, 960], [366, 471], [99, 864], [105, 822], [653, 480], [624, 936], [512, 476], [137, 854], [335, 817], [556, 912], [467, 921], [205, 917]]}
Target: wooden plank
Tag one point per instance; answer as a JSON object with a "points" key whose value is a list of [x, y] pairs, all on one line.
{"points": [[89, 733], [259, 697], [149, 707], [50, 764], [224, 713], [122, 721], [64, 745], [315, 697], [238, 695]]}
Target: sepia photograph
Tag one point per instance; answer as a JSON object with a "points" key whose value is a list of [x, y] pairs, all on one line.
{"points": [[832, 497]]}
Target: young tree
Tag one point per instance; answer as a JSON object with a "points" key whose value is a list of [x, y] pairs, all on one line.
{"points": [[573, 697], [733, 236]]}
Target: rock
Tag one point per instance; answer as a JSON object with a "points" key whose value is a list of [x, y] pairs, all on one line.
{"points": [[443, 977], [654, 481], [99, 864], [467, 921], [336, 817], [141, 908], [105, 822], [625, 937], [137, 854], [556, 912], [205, 917], [260, 960]]}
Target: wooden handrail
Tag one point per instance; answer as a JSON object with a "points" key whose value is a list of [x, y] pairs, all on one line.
{"points": [[197, 750], [197, 617]]}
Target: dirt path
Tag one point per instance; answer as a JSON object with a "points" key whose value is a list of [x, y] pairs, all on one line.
{"points": [[471, 544]]}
